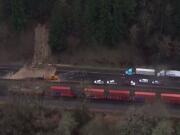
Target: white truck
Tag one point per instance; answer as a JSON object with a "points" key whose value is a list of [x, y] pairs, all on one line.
{"points": [[169, 73], [144, 71]]}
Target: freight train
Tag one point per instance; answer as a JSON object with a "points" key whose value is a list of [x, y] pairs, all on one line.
{"points": [[121, 95]]}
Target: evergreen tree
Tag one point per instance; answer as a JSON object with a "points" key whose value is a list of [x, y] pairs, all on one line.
{"points": [[177, 128], [96, 126], [59, 26], [1, 10], [176, 19], [108, 20], [91, 17], [77, 14], [67, 124], [18, 14], [163, 128], [38, 9]]}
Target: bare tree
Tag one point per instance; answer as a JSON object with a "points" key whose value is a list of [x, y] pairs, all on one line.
{"points": [[163, 128], [141, 121], [67, 124], [96, 126]]}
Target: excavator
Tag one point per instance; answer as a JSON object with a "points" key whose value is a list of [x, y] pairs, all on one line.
{"points": [[53, 78]]}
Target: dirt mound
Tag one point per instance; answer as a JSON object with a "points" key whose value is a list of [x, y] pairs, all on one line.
{"points": [[30, 72]]}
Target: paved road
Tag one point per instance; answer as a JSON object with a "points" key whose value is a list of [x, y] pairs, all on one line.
{"points": [[78, 74], [9, 69], [120, 78]]}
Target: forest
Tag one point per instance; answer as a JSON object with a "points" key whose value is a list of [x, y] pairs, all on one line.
{"points": [[19, 118], [151, 26]]}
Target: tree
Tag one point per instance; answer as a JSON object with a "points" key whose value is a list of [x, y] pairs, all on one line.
{"points": [[141, 121], [16, 120], [18, 14], [67, 124], [176, 17], [82, 116], [1, 10], [38, 9], [91, 19], [59, 26], [163, 128], [77, 15], [97, 126], [123, 16], [22, 115], [177, 129], [108, 20]]}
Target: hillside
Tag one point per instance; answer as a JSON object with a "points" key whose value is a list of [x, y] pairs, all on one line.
{"points": [[100, 33]]}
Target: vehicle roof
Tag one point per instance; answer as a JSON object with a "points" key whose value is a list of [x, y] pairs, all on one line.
{"points": [[145, 93], [60, 87], [170, 94], [145, 69]]}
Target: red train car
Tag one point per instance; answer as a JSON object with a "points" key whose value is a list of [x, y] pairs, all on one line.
{"points": [[122, 95], [94, 93], [170, 98], [145, 96], [62, 91]]}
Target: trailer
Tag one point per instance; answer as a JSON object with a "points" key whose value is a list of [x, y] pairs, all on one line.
{"points": [[145, 96], [94, 93], [173, 98], [121, 95], [168, 73], [144, 71], [62, 91]]}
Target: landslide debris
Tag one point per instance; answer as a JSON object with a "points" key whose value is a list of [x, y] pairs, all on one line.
{"points": [[27, 72]]}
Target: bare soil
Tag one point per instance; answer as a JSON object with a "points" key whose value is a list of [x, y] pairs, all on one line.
{"points": [[100, 56], [30, 72]]}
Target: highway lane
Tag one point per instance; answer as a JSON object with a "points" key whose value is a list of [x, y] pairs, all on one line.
{"points": [[60, 67], [10, 66], [76, 74], [9, 69], [120, 79]]}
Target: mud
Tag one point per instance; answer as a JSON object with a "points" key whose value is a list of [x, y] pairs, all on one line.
{"points": [[31, 72]]}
